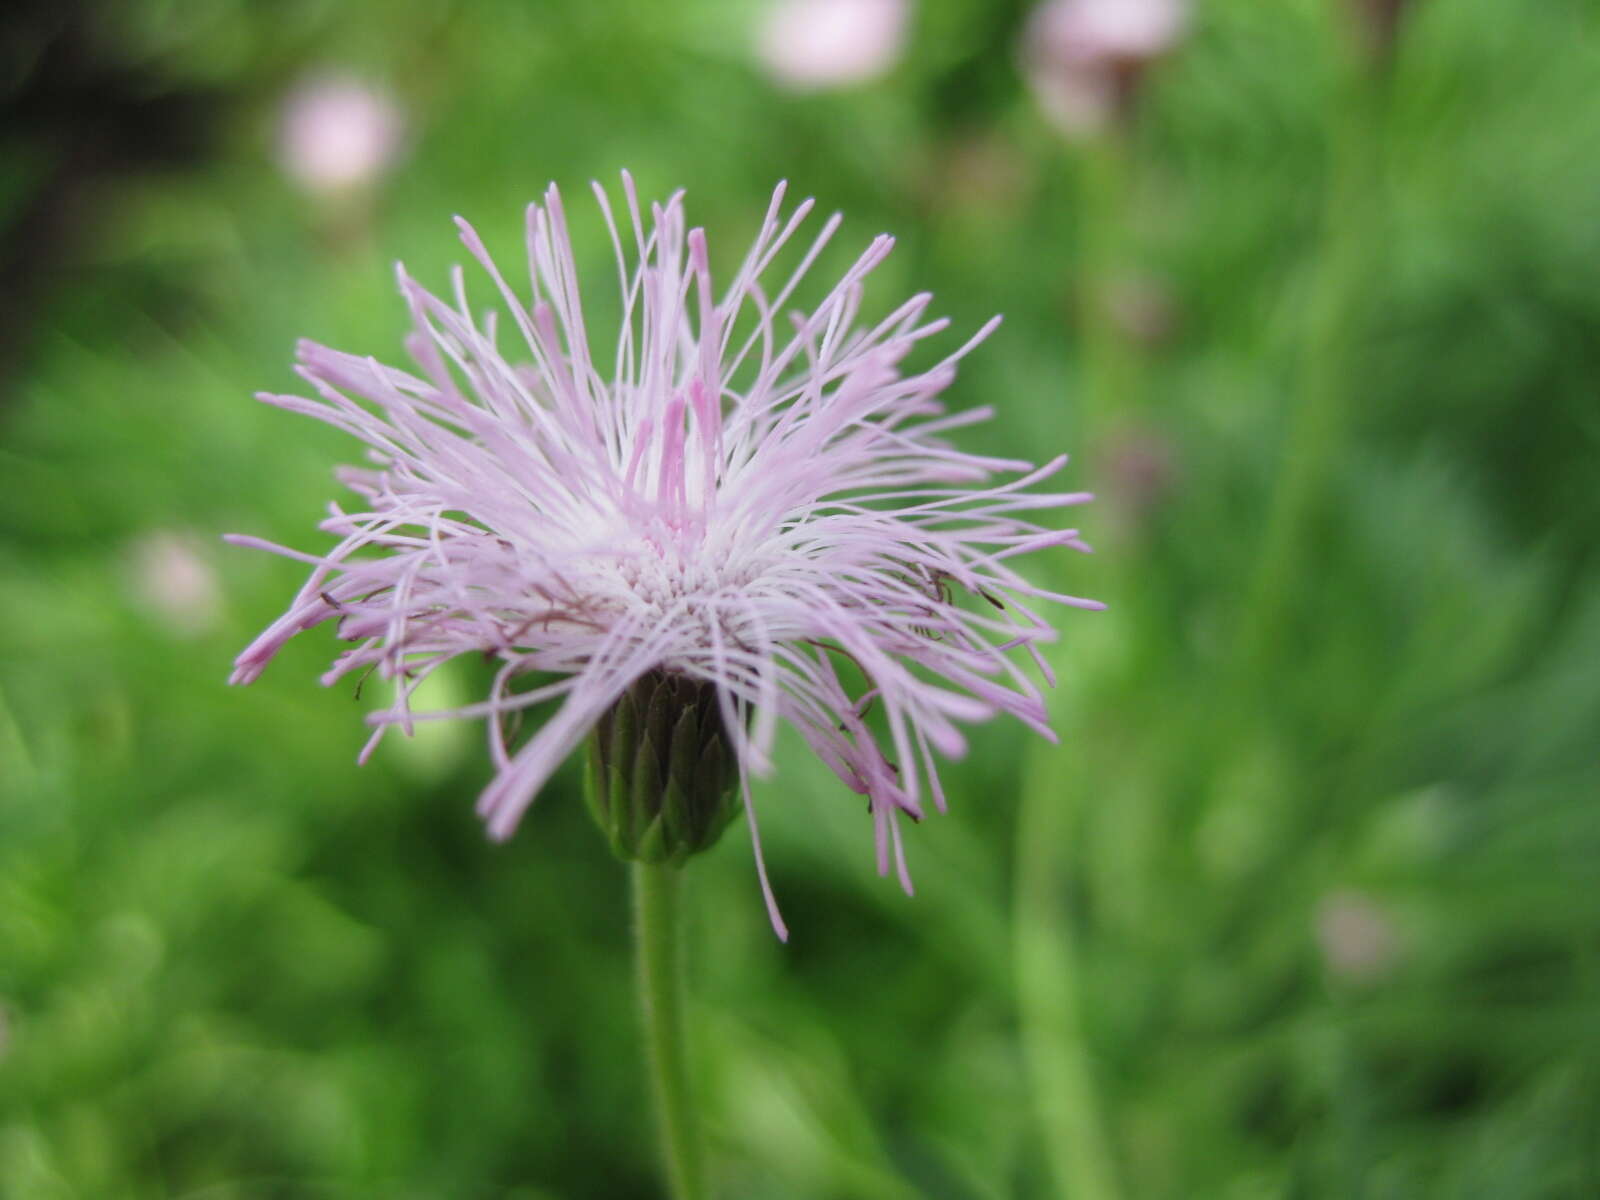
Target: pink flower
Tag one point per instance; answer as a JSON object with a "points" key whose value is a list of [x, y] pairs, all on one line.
{"points": [[174, 579], [337, 133], [808, 44], [1083, 58], [777, 516], [1357, 936]]}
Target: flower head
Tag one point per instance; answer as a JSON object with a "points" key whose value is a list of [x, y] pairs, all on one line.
{"points": [[173, 578], [817, 44], [775, 517], [337, 133], [1084, 58], [1357, 935]]}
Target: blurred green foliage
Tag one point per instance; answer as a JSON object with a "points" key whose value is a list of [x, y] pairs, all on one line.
{"points": [[1333, 915]]}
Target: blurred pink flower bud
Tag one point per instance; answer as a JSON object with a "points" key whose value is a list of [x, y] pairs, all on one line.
{"points": [[337, 134], [175, 582], [1084, 58], [1378, 25], [1141, 468], [1357, 936], [1142, 308], [815, 44]]}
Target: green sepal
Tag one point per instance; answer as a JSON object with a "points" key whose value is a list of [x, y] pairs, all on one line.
{"points": [[661, 779]]}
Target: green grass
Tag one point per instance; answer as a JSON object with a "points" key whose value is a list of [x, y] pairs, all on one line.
{"points": [[233, 964]]}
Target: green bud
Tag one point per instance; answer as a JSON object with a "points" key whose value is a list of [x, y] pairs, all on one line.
{"points": [[662, 775]]}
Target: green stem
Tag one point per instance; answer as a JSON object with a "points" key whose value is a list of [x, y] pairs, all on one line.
{"points": [[1317, 437], [659, 958], [1048, 980], [1111, 361], [1319, 427], [1048, 983]]}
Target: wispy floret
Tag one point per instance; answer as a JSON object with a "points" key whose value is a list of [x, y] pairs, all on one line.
{"points": [[765, 505]]}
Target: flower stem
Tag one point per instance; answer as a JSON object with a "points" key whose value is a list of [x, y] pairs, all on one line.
{"points": [[1048, 985], [659, 960], [1320, 425], [1111, 362]]}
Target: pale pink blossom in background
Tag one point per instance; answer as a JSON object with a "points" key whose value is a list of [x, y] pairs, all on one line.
{"points": [[816, 44], [337, 133], [1357, 936], [175, 582], [1141, 471], [1083, 58]]}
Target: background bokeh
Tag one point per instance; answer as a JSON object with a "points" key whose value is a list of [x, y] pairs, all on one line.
{"points": [[1306, 903]]}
